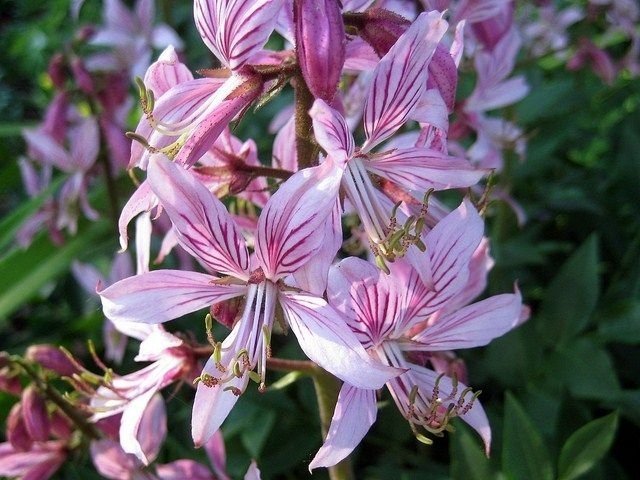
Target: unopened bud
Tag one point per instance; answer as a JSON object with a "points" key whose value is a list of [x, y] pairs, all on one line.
{"points": [[35, 415], [17, 433], [57, 70], [60, 425], [381, 29], [320, 45], [81, 76], [9, 382], [52, 358]]}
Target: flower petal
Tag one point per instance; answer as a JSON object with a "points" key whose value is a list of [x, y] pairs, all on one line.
{"points": [[450, 245], [143, 426], [203, 225], [366, 297], [234, 30], [327, 340], [212, 405], [162, 295], [400, 78], [288, 226], [420, 169], [354, 414], [472, 326], [331, 131]]}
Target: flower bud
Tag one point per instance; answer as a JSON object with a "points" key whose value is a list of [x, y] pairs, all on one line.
{"points": [[381, 28], [35, 415], [57, 70], [9, 382], [17, 433], [81, 76], [60, 425], [52, 358], [320, 45]]}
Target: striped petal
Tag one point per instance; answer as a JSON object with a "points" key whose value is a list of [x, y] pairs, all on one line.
{"points": [[472, 326], [331, 131], [400, 78], [327, 340], [162, 295], [353, 416], [234, 30], [366, 297], [420, 169], [203, 225], [288, 227]]}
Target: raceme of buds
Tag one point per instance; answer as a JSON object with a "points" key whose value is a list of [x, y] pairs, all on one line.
{"points": [[52, 358], [320, 45]]}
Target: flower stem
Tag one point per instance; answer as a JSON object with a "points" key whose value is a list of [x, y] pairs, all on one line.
{"points": [[54, 396], [307, 154]]}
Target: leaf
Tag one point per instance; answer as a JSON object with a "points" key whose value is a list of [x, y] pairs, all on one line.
{"points": [[524, 455], [622, 326], [586, 446], [572, 295], [255, 434], [468, 461], [24, 272], [584, 368]]}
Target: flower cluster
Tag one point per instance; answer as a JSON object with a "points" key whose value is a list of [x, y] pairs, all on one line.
{"points": [[366, 144], [355, 221]]}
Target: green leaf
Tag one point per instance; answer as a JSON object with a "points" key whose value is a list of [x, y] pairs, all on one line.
{"points": [[572, 295], [622, 326], [24, 272], [584, 368], [524, 455], [586, 447], [255, 434], [468, 461]]}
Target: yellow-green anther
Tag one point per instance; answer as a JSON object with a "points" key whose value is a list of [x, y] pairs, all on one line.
{"points": [[255, 377], [267, 334], [382, 265], [421, 438], [413, 394], [236, 370], [394, 210], [217, 352], [420, 245], [420, 223], [395, 238], [151, 100], [409, 223]]}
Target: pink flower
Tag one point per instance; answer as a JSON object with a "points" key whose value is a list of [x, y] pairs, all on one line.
{"points": [[287, 238], [385, 312], [38, 463]]}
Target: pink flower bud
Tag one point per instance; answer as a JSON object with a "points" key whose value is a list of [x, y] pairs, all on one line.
{"points": [[490, 31], [9, 382], [52, 358], [81, 76], [381, 28], [320, 45], [60, 425], [57, 70], [35, 415], [17, 433]]}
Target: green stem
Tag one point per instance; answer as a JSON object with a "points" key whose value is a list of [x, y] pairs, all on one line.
{"points": [[307, 153], [327, 388], [54, 396]]}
